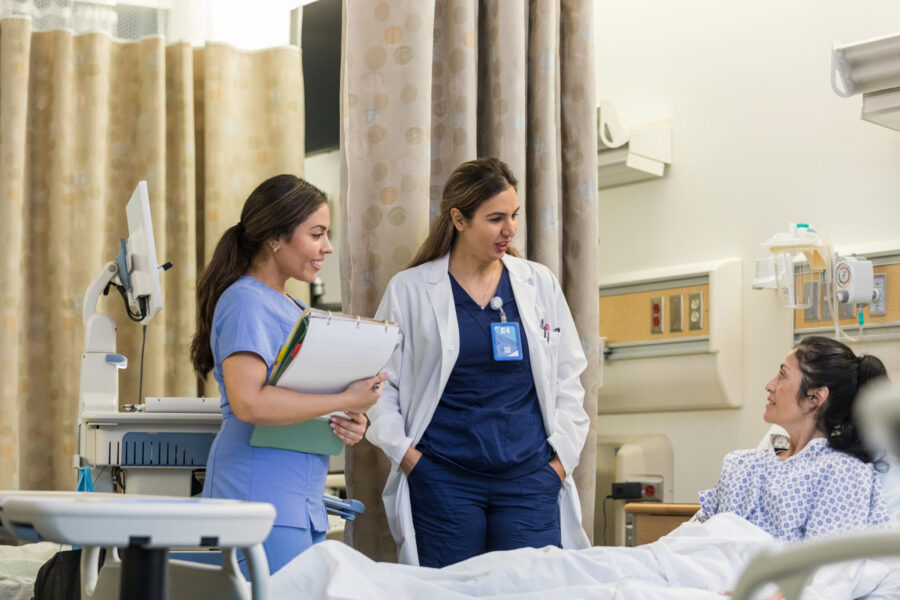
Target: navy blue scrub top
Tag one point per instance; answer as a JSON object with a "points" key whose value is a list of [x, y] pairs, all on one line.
{"points": [[488, 420]]}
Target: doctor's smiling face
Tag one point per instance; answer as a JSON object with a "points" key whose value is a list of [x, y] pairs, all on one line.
{"points": [[487, 235], [785, 407]]}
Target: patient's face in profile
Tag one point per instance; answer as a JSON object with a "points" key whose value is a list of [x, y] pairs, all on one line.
{"points": [[784, 406]]}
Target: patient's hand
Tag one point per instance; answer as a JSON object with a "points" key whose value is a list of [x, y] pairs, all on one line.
{"points": [[349, 429]]}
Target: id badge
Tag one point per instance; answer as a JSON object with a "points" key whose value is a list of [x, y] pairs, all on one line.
{"points": [[506, 341]]}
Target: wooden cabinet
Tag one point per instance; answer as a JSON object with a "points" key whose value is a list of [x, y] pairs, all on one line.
{"points": [[646, 522]]}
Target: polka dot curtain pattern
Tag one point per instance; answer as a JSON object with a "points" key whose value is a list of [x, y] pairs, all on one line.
{"points": [[84, 118], [428, 85]]}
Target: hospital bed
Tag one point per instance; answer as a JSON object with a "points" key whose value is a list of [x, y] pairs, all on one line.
{"points": [[697, 561], [793, 567]]}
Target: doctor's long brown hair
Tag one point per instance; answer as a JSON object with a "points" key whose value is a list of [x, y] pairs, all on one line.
{"points": [[468, 187], [272, 211]]}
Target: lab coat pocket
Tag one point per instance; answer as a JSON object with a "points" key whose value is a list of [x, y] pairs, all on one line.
{"points": [[553, 342], [544, 350]]}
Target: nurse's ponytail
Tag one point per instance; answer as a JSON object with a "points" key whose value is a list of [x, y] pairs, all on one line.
{"points": [[271, 212], [828, 363]]}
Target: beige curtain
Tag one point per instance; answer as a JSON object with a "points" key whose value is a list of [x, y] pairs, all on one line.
{"points": [[428, 85], [84, 118]]}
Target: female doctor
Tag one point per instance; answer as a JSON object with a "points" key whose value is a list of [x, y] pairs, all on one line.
{"points": [[482, 417]]}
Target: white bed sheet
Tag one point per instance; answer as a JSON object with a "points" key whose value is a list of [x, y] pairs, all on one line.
{"points": [[889, 587], [697, 561], [19, 566]]}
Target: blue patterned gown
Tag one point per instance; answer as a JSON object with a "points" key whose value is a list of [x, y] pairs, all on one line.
{"points": [[816, 492]]}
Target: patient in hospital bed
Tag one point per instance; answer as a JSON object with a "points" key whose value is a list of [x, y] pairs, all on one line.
{"points": [[824, 482]]}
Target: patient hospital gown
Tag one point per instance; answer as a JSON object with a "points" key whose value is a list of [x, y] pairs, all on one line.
{"points": [[816, 492]]}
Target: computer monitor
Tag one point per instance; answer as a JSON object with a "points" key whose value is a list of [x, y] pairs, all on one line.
{"points": [[141, 273]]}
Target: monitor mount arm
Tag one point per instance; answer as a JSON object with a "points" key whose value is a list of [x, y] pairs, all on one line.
{"points": [[100, 363]]}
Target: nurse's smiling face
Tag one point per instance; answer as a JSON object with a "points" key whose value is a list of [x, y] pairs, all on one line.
{"points": [[487, 235], [300, 256], [784, 406]]}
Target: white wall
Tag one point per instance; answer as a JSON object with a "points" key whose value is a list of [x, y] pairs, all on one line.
{"points": [[323, 170], [245, 24], [759, 140]]}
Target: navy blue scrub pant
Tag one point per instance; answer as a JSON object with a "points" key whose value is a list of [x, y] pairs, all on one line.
{"points": [[458, 514]]}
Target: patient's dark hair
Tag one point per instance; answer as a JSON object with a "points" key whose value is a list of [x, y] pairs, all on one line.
{"points": [[828, 363]]}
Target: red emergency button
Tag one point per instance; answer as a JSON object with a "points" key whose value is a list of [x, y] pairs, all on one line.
{"points": [[649, 491]]}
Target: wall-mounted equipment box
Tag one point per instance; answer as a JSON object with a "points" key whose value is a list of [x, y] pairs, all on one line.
{"points": [[628, 155], [870, 68], [689, 363], [880, 316]]}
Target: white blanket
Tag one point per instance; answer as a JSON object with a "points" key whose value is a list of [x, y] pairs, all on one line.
{"points": [[695, 562], [19, 566]]}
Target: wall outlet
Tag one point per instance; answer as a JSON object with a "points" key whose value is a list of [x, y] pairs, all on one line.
{"points": [[656, 314], [695, 311], [878, 307]]}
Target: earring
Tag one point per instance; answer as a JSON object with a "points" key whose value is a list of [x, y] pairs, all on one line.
{"points": [[275, 248]]}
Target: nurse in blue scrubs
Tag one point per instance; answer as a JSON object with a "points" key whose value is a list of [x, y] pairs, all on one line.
{"points": [[482, 417], [244, 316]]}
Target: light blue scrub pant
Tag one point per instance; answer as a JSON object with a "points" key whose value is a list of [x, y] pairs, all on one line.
{"points": [[283, 545]]}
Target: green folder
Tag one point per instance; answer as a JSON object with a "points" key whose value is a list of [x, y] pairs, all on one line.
{"points": [[313, 437]]}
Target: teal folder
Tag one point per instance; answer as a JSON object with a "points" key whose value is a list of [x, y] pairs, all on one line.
{"points": [[313, 436]]}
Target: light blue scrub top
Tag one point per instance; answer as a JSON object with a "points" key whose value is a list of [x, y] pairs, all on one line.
{"points": [[252, 317]]}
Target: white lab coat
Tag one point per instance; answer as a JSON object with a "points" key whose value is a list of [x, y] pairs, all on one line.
{"points": [[420, 300]]}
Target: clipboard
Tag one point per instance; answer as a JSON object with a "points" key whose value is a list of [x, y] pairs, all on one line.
{"points": [[324, 353]]}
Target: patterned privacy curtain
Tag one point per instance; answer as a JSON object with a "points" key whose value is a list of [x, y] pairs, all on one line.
{"points": [[429, 85], [83, 118]]}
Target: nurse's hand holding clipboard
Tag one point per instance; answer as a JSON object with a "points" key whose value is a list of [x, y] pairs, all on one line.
{"points": [[352, 428]]}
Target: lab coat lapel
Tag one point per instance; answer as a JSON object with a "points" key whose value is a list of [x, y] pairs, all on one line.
{"points": [[440, 294], [525, 291]]}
